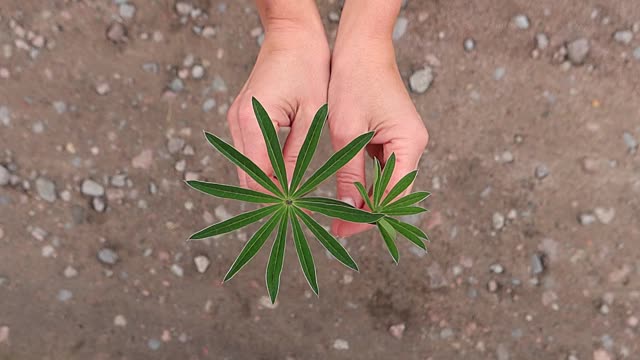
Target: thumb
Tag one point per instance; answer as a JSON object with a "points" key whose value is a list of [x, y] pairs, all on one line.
{"points": [[297, 136]]}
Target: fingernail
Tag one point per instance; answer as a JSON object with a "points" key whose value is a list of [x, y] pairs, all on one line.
{"points": [[348, 200]]}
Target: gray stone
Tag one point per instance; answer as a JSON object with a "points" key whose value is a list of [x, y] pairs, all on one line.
{"points": [[183, 8], [4, 176], [70, 272], [218, 84], [499, 73], [437, 279], [175, 145], [119, 180], [91, 188], [127, 10], [64, 295], [176, 85], [496, 268], [420, 81], [542, 171], [542, 41], [497, 221], [208, 105], [521, 21], [98, 204], [177, 270], [150, 67], [578, 50], [202, 263], [630, 141], [154, 344], [469, 44], [623, 36], [400, 28], [60, 107], [37, 127], [108, 256], [5, 115], [46, 189], [604, 215], [537, 264], [586, 218], [334, 17], [117, 32], [636, 53]]}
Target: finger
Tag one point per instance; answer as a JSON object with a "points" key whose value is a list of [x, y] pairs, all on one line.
{"points": [[296, 137], [408, 150]]}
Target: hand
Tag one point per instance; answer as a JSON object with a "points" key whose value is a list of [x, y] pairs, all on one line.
{"points": [[290, 79], [366, 92]]}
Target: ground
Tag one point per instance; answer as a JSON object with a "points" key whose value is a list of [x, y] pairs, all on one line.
{"points": [[533, 166]]}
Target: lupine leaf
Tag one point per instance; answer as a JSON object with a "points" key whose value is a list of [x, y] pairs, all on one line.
{"points": [[254, 244], [243, 162], [384, 178], [408, 200], [377, 174], [389, 235], [327, 240], [363, 193], [335, 162], [309, 147], [337, 209], [412, 233], [406, 210], [304, 253], [401, 186], [273, 145], [276, 259], [232, 192], [235, 222]]}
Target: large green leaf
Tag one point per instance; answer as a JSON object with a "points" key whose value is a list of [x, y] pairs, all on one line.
{"points": [[401, 186], [337, 209], [304, 253], [276, 259], [408, 200], [412, 233], [232, 192], [235, 223], [335, 162], [273, 145], [389, 235], [243, 162], [327, 240], [363, 193], [406, 210], [254, 244], [309, 147], [383, 182]]}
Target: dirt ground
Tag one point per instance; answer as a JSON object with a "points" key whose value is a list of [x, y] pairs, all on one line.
{"points": [[534, 220]]}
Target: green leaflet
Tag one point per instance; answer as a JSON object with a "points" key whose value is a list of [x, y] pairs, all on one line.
{"points": [[382, 183], [335, 162], [273, 145], [309, 147], [410, 232], [243, 162], [304, 253], [327, 240], [276, 259], [389, 235], [254, 244], [406, 210], [232, 192], [235, 222], [401, 186], [338, 209], [363, 193], [408, 200]]}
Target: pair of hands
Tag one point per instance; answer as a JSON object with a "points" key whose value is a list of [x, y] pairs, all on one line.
{"points": [[295, 74]]}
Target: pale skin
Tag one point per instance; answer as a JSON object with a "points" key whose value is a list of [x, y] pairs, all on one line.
{"points": [[296, 73]]}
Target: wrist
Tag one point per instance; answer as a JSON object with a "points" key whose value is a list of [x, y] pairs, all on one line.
{"points": [[282, 16]]}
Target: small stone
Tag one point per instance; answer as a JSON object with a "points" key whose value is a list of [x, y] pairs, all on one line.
{"points": [[397, 330], [48, 251], [117, 32], [37, 127], [521, 22], [221, 213], [496, 268], [340, 344], [177, 270], [91, 188], [623, 36], [636, 53], [497, 221], [46, 189], [154, 344], [208, 105], [119, 180], [108, 256], [265, 302], [70, 272], [420, 81], [502, 352], [175, 145], [605, 216], [469, 44], [542, 41], [39, 233], [150, 67], [400, 28], [537, 264], [208, 32], [183, 8], [120, 321], [218, 84], [499, 73], [5, 177], [630, 142], [98, 204], [176, 85], [601, 354], [143, 160], [586, 219], [633, 321], [4, 334], [181, 165], [202, 263], [437, 278], [541, 171], [578, 50], [334, 17], [60, 107], [64, 295], [103, 89], [197, 72], [127, 10], [493, 286]]}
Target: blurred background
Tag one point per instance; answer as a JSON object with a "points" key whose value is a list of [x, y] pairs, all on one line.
{"points": [[534, 114]]}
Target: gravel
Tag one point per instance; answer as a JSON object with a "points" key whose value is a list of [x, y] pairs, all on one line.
{"points": [[183, 8], [541, 171], [537, 264], [46, 189], [577, 51], [542, 41], [176, 85], [636, 53], [623, 36], [218, 84], [120, 321], [64, 295], [521, 22], [108, 256], [630, 142], [175, 145], [127, 10], [496, 268], [60, 107], [91, 188], [586, 219], [116, 32], [604, 215], [119, 180], [144, 160], [420, 81], [208, 105], [397, 330], [197, 72], [98, 204], [499, 73], [497, 221], [70, 272], [202, 263], [400, 28], [5, 177], [469, 44], [154, 344], [177, 270], [340, 344]]}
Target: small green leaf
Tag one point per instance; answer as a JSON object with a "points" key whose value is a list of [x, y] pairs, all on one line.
{"points": [[337, 209], [383, 182], [273, 145], [335, 162], [377, 174], [309, 147], [365, 196], [401, 186], [304, 253], [243, 162], [407, 200], [389, 235], [407, 210], [276, 259], [412, 233], [254, 244], [232, 192], [235, 223], [327, 240]]}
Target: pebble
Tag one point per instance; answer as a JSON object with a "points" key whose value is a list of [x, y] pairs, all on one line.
{"points": [[60, 107], [5, 115], [497, 221], [218, 84], [340, 344], [176, 85], [127, 10], [334, 17], [183, 8], [208, 105], [633, 321], [492, 286], [636, 53], [397, 330], [119, 180], [469, 44], [499, 73], [4, 176], [521, 21], [64, 295], [154, 344], [4, 334], [197, 72], [437, 279], [623, 36], [502, 352], [70, 272], [108, 256], [542, 41], [496, 268], [537, 264], [150, 67], [420, 81], [221, 213], [177, 270], [265, 302], [143, 160], [116, 32], [103, 89], [400, 28], [98, 204], [48, 251], [46, 189], [120, 321], [630, 142], [541, 171], [91, 188], [577, 51], [175, 145], [202, 263], [181, 165], [586, 219], [604, 215]]}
